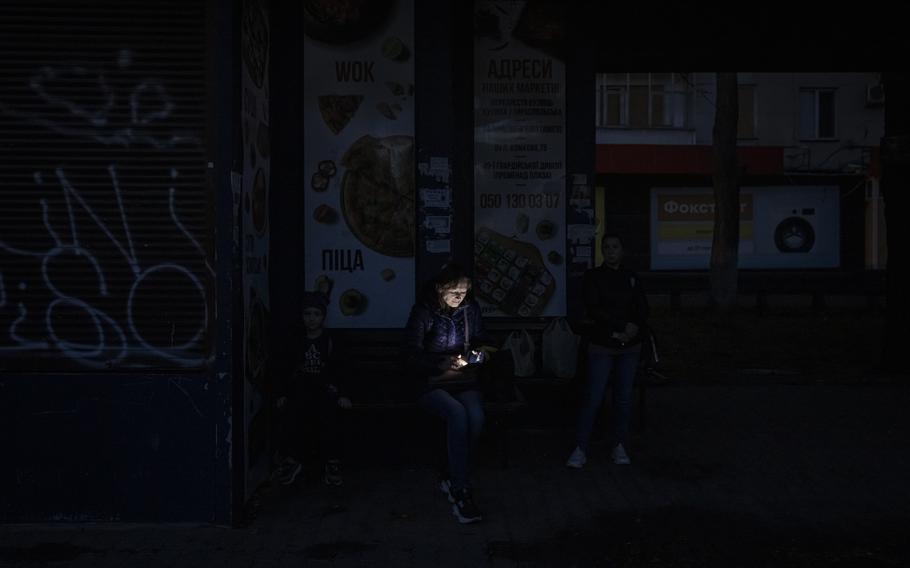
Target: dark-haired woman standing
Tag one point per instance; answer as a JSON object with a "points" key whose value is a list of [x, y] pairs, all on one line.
{"points": [[615, 302]]}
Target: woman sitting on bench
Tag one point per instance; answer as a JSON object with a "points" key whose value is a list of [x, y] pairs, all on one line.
{"points": [[442, 358]]}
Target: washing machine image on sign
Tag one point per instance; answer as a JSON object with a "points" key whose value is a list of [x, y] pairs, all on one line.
{"points": [[796, 227], [795, 234]]}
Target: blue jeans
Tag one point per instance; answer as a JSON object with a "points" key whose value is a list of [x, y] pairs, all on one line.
{"points": [[601, 366], [463, 415]]}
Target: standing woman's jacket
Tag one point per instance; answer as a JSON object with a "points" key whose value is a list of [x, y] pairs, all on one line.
{"points": [[613, 298], [433, 335]]}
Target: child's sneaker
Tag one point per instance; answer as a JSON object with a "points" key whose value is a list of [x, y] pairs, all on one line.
{"points": [[620, 457], [464, 508], [577, 460], [288, 471], [276, 473], [333, 473]]}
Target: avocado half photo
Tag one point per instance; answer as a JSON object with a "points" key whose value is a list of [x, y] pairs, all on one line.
{"points": [[352, 302]]}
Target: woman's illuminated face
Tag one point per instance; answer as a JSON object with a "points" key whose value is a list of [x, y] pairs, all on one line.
{"points": [[454, 295]]}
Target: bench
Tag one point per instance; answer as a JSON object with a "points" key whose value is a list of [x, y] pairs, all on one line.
{"points": [[372, 356], [373, 362], [499, 329]]}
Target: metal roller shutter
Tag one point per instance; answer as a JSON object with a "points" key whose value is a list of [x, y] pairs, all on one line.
{"points": [[106, 209]]}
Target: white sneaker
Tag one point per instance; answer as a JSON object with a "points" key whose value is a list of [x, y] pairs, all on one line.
{"points": [[288, 472], [445, 486], [619, 455], [577, 459]]}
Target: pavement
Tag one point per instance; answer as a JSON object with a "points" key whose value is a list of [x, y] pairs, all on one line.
{"points": [[763, 475]]}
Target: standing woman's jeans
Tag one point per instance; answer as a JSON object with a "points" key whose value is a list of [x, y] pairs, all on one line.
{"points": [[463, 415], [602, 367]]}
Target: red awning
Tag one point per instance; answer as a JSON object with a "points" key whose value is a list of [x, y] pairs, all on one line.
{"points": [[676, 159]]}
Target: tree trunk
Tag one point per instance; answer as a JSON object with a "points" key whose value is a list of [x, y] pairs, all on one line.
{"points": [[895, 184], [725, 247]]}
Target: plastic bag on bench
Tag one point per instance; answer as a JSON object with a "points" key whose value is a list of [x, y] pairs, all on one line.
{"points": [[560, 349], [521, 344]]}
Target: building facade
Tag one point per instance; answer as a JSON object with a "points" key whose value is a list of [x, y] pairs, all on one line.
{"points": [[808, 150]]}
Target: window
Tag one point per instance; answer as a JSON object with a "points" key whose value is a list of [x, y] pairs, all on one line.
{"points": [[643, 100], [745, 124], [816, 114]]}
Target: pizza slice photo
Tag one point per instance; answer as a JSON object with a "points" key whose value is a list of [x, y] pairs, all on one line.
{"points": [[338, 110]]}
